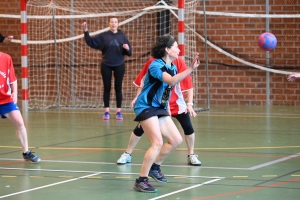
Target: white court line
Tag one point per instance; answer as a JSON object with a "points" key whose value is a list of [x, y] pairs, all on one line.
{"points": [[132, 164], [274, 161], [177, 166], [119, 173], [182, 190], [45, 186]]}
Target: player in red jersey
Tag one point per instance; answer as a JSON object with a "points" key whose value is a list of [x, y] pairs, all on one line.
{"points": [[8, 104]]}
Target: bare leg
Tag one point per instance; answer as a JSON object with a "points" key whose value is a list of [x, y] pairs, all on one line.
{"points": [[151, 127], [132, 143], [173, 136], [190, 141], [16, 118]]}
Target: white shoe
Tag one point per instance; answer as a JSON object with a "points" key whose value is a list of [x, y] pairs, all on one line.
{"points": [[125, 158], [193, 160]]}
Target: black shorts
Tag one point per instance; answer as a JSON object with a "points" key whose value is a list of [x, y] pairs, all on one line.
{"points": [[150, 112], [184, 120]]}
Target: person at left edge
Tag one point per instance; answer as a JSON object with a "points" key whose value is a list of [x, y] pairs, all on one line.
{"points": [[5, 39], [8, 104]]}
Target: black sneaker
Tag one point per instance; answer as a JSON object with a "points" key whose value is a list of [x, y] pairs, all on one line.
{"points": [[157, 175], [144, 186], [29, 156]]}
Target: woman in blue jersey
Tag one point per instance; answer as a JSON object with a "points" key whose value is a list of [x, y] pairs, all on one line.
{"points": [[153, 113], [114, 45]]}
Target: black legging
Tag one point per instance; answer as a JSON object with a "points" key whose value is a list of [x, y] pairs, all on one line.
{"points": [[106, 72]]}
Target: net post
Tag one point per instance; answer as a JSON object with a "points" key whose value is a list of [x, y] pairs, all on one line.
{"points": [[267, 59], [24, 55], [206, 56], [181, 28]]}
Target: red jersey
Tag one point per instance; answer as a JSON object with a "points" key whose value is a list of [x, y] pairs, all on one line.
{"points": [[177, 103], [7, 77]]}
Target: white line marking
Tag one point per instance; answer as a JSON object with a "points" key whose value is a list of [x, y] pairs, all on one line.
{"points": [[119, 173], [274, 161], [182, 190], [131, 164], [45, 186]]}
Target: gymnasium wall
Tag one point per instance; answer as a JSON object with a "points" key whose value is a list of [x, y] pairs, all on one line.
{"points": [[230, 82]]}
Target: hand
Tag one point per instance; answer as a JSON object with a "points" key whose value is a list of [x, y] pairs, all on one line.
{"points": [[196, 61], [14, 96], [132, 103], [126, 46], [84, 26], [190, 109], [293, 77], [8, 39]]}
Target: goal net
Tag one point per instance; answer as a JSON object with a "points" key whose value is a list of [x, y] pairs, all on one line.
{"points": [[65, 72]]}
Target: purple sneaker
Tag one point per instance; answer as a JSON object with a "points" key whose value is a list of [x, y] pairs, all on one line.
{"points": [[106, 116], [119, 116], [157, 175], [144, 186]]}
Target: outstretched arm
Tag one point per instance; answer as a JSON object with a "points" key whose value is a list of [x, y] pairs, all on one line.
{"points": [[6, 39], [172, 80], [293, 77]]}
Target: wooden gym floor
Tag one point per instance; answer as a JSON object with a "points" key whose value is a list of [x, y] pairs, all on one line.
{"points": [[247, 152]]}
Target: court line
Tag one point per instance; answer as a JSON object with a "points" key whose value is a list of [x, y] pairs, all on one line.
{"points": [[49, 185], [252, 189], [118, 173], [131, 164], [185, 189], [215, 114], [177, 166], [274, 161], [122, 149]]}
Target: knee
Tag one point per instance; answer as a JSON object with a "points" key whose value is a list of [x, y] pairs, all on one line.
{"points": [[157, 146], [178, 141], [19, 125]]}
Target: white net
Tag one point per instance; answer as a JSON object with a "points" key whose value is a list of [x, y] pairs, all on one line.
{"points": [[65, 72]]}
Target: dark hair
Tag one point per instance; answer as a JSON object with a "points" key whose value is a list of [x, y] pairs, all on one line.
{"points": [[158, 50], [112, 17]]}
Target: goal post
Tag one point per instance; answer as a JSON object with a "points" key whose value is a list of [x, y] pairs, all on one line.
{"points": [[65, 73]]}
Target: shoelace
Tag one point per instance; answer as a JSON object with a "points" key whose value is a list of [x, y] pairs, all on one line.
{"points": [[159, 173], [147, 183], [30, 154], [193, 157]]}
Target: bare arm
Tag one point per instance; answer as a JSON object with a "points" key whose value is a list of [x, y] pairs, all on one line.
{"points": [[189, 104], [172, 80], [138, 91], [14, 94], [8, 39], [293, 77]]}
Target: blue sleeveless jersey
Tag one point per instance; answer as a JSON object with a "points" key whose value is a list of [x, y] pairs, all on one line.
{"points": [[155, 92]]}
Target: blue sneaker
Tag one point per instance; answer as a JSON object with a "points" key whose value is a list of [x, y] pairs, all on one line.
{"points": [[106, 116], [29, 156], [157, 175], [119, 116], [144, 186]]}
